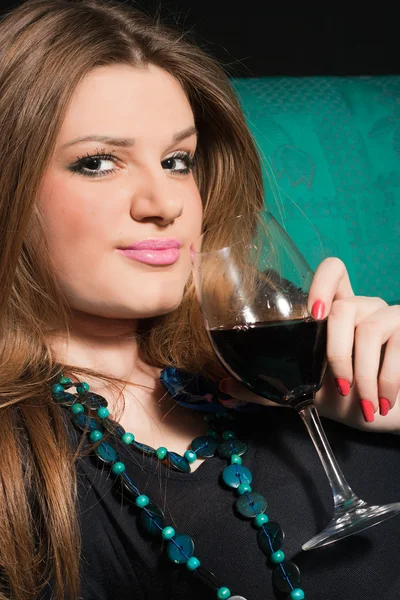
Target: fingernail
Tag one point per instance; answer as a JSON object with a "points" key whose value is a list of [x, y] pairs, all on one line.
{"points": [[318, 309], [368, 410], [343, 386], [384, 406]]}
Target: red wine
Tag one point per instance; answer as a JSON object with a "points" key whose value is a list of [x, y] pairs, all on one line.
{"points": [[284, 361]]}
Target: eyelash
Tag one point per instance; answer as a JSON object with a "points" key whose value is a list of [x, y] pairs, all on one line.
{"points": [[78, 166]]}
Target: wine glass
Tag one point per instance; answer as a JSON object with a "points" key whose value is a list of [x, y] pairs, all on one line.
{"points": [[252, 284]]}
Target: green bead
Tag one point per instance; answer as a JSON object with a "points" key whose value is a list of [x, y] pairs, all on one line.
{"points": [[277, 557], [229, 435], [190, 456], [119, 468], [57, 390], [260, 520], [128, 438], [236, 459], [142, 500], [168, 533], [297, 594], [82, 388], [77, 408], [243, 488], [212, 433], [193, 563], [95, 436], [64, 380], [103, 412], [223, 592], [161, 452]]}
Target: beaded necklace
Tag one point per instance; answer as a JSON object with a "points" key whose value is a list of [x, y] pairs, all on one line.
{"points": [[90, 414]]}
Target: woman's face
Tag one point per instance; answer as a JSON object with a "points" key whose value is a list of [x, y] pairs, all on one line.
{"points": [[94, 205]]}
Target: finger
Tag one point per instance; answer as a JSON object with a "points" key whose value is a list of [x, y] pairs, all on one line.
{"points": [[389, 378], [331, 281], [237, 390], [370, 335], [344, 317]]}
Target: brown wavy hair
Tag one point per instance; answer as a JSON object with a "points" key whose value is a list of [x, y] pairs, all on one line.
{"points": [[46, 48]]}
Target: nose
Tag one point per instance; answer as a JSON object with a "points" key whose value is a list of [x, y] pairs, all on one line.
{"points": [[156, 199]]}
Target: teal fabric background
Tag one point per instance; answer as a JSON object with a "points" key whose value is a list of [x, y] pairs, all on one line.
{"points": [[330, 147]]}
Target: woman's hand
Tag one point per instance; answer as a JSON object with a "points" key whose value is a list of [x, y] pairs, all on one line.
{"points": [[360, 389]]}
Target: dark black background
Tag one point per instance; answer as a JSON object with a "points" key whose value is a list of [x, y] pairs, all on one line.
{"points": [[251, 40]]}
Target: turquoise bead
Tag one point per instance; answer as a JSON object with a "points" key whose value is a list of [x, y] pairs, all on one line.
{"points": [[193, 563], [297, 594], [223, 592], [234, 475], [260, 520], [95, 436], [64, 380], [180, 549], [57, 390], [103, 412], [142, 500], [243, 488], [229, 435], [82, 388], [190, 456], [168, 533], [212, 433], [161, 453], [118, 468], [236, 459], [77, 408], [128, 438], [277, 557]]}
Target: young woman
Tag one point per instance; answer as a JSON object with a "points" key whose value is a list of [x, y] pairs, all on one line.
{"points": [[117, 132]]}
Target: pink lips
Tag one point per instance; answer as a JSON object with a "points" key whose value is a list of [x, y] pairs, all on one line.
{"points": [[154, 251]]}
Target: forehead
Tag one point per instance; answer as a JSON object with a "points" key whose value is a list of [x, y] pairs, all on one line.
{"points": [[124, 100]]}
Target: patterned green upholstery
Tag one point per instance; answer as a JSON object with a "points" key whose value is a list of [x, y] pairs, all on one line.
{"points": [[331, 151]]}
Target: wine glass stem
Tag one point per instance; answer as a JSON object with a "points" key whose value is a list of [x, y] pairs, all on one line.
{"points": [[343, 495]]}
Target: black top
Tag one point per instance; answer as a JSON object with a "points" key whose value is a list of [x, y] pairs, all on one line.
{"points": [[120, 561]]}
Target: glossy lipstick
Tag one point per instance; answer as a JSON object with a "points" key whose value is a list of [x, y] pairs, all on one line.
{"points": [[157, 251]]}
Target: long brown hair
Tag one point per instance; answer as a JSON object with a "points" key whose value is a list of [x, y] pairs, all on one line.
{"points": [[46, 48]]}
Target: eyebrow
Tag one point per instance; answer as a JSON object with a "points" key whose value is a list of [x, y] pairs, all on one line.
{"points": [[127, 142]]}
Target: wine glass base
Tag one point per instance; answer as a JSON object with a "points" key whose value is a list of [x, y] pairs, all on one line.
{"points": [[348, 522]]}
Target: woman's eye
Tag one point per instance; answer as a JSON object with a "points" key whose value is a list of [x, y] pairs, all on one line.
{"points": [[174, 163], [95, 166]]}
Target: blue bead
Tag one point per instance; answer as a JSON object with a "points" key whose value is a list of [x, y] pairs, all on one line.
{"points": [[103, 412], [64, 380], [179, 463], [223, 593], [128, 438], [251, 504], [82, 388], [193, 563], [168, 533], [234, 475], [277, 557], [204, 446], [153, 519], [226, 449], [118, 468], [77, 408], [180, 549], [106, 453], [270, 537], [95, 436], [286, 576], [84, 422], [229, 435], [297, 594], [190, 456], [57, 390], [142, 500]]}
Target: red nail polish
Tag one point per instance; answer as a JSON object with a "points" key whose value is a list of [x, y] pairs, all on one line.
{"points": [[318, 309], [343, 386], [368, 410], [384, 406]]}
